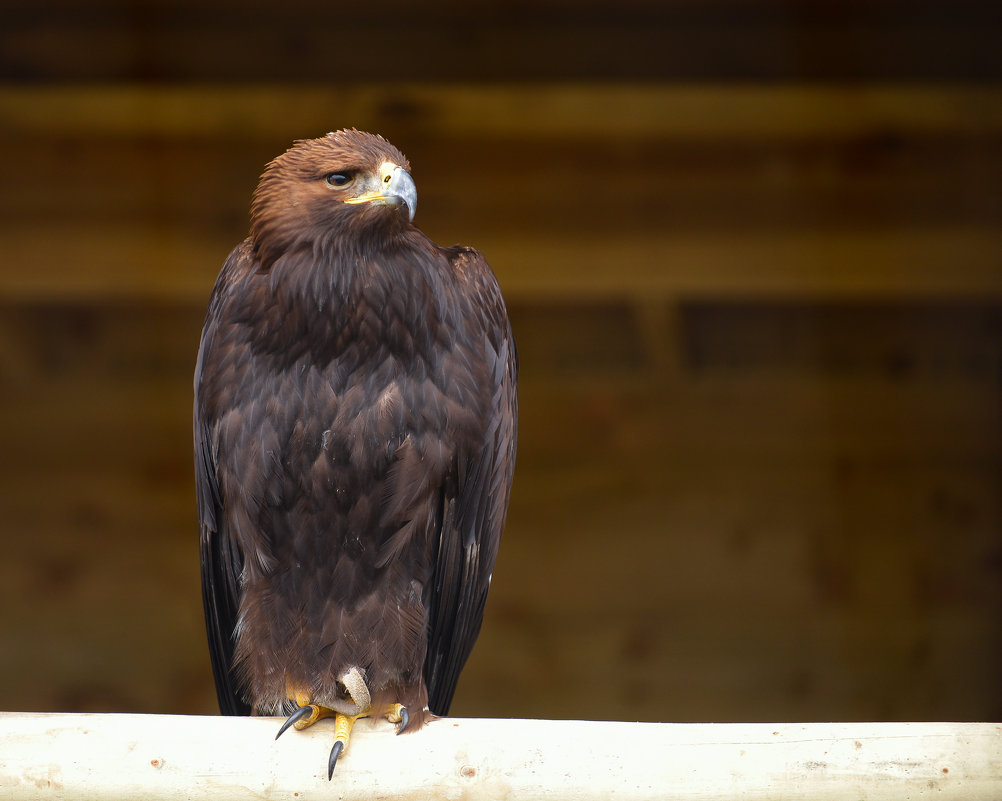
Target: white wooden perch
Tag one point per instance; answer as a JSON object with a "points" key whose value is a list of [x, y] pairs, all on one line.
{"points": [[80, 757]]}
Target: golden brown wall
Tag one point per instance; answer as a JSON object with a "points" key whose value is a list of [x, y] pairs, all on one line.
{"points": [[754, 263]]}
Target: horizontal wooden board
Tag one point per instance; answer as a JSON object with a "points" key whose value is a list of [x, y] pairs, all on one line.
{"points": [[66, 260], [732, 549], [767, 40], [566, 110], [897, 340], [835, 191], [474, 186]]}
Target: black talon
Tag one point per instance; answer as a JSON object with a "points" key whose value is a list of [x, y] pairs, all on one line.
{"points": [[299, 714], [405, 718], [332, 762]]}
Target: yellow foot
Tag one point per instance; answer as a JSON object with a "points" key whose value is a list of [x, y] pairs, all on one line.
{"points": [[309, 713], [306, 715]]}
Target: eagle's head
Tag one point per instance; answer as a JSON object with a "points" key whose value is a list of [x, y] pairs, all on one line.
{"points": [[348, 186]]}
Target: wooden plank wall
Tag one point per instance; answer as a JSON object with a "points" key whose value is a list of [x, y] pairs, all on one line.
{"points": [[754, 262]]}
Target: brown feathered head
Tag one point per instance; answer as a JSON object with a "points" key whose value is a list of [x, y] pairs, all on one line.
{"points": [[319, 189]]}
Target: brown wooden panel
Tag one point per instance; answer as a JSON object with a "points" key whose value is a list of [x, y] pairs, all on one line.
{"points": [[631, 185], [836, 191], [123, 262], [895, 339], [569, 111], [751, 540], [759, 457], [448, 41]]}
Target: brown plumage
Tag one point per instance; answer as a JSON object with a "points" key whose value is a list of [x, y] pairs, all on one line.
{"points": [[355, 423]]}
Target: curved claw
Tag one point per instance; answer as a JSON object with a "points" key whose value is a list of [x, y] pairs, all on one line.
{"points": [[405, 718], [299, 714], [336, 751]]}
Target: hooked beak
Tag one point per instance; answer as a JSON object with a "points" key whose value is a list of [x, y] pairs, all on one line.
{"points": [[396, 188]]}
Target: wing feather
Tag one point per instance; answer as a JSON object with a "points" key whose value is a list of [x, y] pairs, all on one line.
{"points": [[475, 504], [221, 562]]}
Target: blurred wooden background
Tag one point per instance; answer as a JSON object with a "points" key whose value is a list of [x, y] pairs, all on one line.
{"points": [[753, 257]]}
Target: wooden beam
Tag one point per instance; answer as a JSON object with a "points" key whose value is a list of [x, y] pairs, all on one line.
{"points": [[100, 261], [64, 756], [567, 111], [672, 40]]}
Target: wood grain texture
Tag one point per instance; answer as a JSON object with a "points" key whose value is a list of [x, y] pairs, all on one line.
{"points": [[175, 757], [759, 454], [445, 41], [820, 191]]}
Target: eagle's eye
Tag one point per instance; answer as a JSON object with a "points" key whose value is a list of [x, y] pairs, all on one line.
{"points": [[339, 179]]}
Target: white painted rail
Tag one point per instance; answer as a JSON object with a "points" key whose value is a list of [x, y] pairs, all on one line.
{"points": [[79, 757]]}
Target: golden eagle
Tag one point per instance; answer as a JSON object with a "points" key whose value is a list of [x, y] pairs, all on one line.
{"points": [[355, 423]]}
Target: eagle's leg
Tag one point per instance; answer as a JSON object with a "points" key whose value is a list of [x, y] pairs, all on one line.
{"points": [[358, 691], [309, 713]]}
